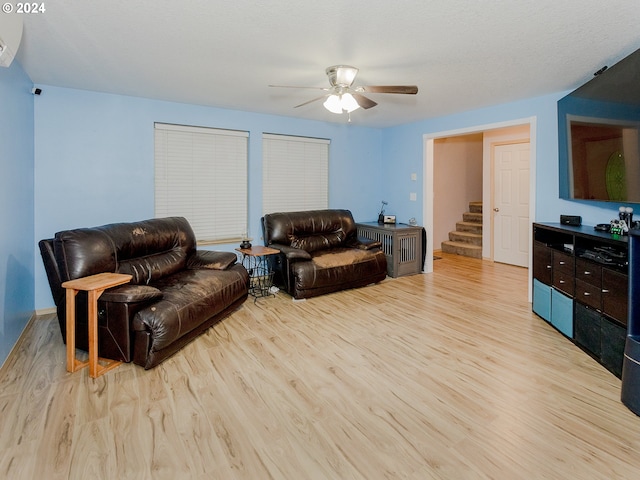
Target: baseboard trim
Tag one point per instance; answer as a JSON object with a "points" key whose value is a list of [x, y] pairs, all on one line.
{"points": [[46, 311], [14, 351]]}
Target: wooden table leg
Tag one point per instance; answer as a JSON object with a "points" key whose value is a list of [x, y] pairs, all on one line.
{"points": [[92, 319], [73, 364], [95, 368]]}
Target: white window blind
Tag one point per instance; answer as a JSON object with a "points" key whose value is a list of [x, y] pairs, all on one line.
{"points": [[295, 173], [201, 174]]}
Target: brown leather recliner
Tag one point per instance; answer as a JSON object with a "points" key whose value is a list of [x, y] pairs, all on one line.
{"points": [[320, 252], [176, 293]]}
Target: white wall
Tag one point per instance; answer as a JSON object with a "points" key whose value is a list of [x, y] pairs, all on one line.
{"points": [[457, 171]]}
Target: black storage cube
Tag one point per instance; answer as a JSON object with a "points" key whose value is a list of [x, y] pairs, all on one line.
{"points": [[587, 329], [613, 340]]}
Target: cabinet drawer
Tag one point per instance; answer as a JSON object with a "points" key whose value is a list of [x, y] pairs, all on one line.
{"points": [[542, 263], [564, 281], [615, 295], [563, 262], [589, 294], [589, 272]]}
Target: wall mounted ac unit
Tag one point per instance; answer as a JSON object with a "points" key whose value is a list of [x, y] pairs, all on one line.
{"points": [[10, 36]]}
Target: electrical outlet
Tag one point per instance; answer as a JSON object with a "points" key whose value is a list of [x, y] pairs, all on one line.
{"points": [[413, 197], [414, 176]]}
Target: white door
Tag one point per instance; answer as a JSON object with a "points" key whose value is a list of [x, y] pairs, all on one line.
{"points": [[511, 204]]}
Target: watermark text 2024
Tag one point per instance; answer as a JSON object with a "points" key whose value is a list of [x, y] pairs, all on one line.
{"points": [[29, 7]]}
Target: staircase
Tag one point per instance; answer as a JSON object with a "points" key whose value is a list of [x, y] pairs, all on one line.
{"points": [[467, 239]]}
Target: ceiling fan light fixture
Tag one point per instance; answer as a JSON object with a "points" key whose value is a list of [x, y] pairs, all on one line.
{"points": [[341, 103], [341, 75], [332, 103], [349, 103]]}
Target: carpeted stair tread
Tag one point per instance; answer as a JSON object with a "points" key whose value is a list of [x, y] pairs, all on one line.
{"points": [[472, 227], [460, 248], [466, 237], [475, 207], [472, 217]]}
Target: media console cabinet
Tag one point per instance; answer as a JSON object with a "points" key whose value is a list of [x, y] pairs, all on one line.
{"points": [[580, 286]]}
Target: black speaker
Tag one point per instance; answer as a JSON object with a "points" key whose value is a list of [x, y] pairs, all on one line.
{"points": [[575, 220]]}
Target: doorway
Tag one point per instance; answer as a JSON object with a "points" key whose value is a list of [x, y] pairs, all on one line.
{"points": [[517, 131]]}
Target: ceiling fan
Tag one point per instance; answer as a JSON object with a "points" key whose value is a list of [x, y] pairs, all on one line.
{"points": [[343, 97]]}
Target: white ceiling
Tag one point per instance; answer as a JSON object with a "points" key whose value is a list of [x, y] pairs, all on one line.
{"points": [[462, 54]]}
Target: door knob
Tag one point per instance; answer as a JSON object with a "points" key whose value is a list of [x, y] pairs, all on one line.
{"points": [[496, 209]]}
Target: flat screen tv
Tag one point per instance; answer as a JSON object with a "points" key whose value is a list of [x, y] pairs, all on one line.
{"points": [[599, 136]]}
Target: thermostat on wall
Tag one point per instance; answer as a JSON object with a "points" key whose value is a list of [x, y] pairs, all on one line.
{"points": [[389, 219]]}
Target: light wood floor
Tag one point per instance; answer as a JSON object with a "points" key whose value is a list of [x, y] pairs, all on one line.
{"points": [[440, 376]]}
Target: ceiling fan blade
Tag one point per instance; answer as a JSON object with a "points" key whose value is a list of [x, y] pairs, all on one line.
{"points": [[406, 89], [311, 101], [363, 101]]}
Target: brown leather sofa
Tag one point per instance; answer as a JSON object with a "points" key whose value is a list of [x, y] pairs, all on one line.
{"points": [[320, 252], [177, 291]]}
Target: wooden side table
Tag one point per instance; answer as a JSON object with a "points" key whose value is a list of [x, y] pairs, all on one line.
{"points": [[254, 260], [94, 285]]}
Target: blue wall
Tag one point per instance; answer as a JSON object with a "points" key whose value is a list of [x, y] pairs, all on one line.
{"points": [[92, 155], [403, 153], [16, 205], [94, 161]]}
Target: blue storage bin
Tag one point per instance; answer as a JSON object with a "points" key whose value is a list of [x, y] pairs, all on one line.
{"points": [[542, 299], [562, 312]]}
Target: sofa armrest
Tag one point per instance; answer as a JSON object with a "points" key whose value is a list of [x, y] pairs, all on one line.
{"points": [[212, 260], [291, 253], [363, 243], [131, 294]]}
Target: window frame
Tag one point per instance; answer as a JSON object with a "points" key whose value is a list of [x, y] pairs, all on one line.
{"points": [[295, 173], [215, 200]]}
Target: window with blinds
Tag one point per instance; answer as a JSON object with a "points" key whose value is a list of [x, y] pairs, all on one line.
{"points": [[295, 173], [201, 174]]}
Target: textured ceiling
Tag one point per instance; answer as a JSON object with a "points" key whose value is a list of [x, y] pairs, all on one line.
{"points": [[462, 54]]}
